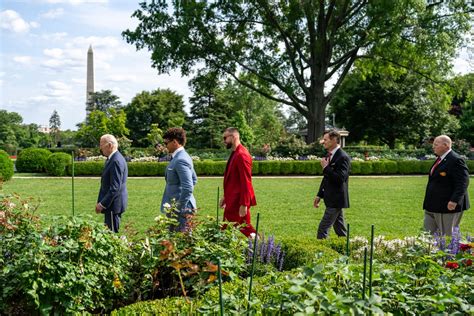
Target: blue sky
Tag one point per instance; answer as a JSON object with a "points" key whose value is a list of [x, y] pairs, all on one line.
{"points": [[43, 54]]}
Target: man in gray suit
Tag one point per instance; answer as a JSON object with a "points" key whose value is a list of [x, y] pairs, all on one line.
{"points": [[180, 178], [113, 195]]}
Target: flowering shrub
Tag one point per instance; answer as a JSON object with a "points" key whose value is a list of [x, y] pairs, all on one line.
{"points": [[170, 263], [74, 265], [394, 250], [459, 253], [267, 252]]}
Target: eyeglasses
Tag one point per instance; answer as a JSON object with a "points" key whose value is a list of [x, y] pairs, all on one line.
{"points": [[225, 137]]}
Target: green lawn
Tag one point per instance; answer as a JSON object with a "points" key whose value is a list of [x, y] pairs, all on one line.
{"points": [[285, 204]]}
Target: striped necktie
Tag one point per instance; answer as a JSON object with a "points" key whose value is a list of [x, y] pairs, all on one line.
{"points": [[435, 165]]}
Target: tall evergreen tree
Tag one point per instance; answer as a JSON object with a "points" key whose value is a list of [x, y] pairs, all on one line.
{"points": [[55, 127]]}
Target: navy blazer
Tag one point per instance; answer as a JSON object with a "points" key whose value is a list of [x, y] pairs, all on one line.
{"points": [[448, 182], [180, 181], [113, 193], [334, 188]]}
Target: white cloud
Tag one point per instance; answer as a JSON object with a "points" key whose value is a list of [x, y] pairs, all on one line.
{"points": [[96, 42], [22, 59], [57, 89], [108, 18], [53, 13], [122, 78], [53, 52], [54, 36], [12, 21], [76, 2]]}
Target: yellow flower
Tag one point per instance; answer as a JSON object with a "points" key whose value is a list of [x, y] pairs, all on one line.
{"points": [[117, 283]]}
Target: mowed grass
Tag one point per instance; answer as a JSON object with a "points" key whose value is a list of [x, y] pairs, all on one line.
{"points": [[392, 204]]}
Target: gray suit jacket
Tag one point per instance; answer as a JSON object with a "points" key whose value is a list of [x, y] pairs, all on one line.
{"points": [[113, 193], [180, 181]]}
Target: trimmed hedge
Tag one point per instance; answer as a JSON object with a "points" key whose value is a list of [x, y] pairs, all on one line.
{"points": [[32, 160], [267, 168], [57, 164], [6, 166]]}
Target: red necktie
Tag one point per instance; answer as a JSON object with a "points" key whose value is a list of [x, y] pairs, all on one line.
{"points": [[435, 165], [329, 156]]}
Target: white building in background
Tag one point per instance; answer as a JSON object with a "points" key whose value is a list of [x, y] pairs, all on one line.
{"points": [[44, 129]]}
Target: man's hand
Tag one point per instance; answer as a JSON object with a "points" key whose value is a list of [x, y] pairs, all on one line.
{"points": [[242, 210], [316, 202], [222, 203], [452, 205], [324, 162], [99, 208]]}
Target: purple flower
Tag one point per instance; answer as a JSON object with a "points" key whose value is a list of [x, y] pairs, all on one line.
{"points": [[280, 264], [455, 240], [270, 248]]}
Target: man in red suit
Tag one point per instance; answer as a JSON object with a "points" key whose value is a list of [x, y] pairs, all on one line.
{"points": [[238, 191]]}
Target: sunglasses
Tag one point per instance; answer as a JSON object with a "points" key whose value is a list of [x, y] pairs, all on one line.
{"points": [[225, 137]]}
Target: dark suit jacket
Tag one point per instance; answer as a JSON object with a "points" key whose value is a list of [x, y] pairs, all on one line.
{"points": [[238, 189], [448, 182], [334, 186], [113, 193]]}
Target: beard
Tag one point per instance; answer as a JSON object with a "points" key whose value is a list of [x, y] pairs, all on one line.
{"points": [[228, 145]]}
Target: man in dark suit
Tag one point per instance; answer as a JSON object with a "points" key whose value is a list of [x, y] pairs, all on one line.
{"points": [[446, 196], [180, 178], [334, 186], [239, 195], [113, 195]]}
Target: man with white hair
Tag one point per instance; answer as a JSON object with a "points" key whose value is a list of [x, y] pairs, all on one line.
{"points": [[113, 195], [446, 195]]}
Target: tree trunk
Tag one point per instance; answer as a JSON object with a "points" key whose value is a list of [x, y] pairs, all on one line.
{"points": [[316, 119]]}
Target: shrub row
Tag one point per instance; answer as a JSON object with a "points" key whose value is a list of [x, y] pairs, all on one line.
{"points": [[270, 168], [59, 164], [6, 166]]}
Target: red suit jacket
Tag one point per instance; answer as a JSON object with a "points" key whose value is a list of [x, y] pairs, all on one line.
{"points": [[238, 189]]}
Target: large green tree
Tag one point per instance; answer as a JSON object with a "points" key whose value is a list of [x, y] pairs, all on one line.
{"points": [[99, 123], [462, 105], [103, 101], [389, 109], [210, 113], [162, 106], [296, 47]]}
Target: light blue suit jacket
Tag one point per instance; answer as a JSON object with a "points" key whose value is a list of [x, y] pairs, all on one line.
{"points": [[180, 181]]}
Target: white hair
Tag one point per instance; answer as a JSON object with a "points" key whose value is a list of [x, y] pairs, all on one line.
{"points": [[110, 139]]}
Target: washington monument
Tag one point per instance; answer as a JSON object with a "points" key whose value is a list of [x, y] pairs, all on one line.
{"points": [[90, 78]]}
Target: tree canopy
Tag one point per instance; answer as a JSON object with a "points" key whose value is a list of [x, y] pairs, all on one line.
{"points": [[391, 109], [161, 106], [297, 48]]}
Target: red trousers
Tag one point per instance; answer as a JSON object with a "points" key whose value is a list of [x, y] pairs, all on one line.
{"points": [[232, 216]]}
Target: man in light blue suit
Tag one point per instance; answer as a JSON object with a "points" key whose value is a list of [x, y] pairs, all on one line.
{"points": [[113, 195], [180, 178]]}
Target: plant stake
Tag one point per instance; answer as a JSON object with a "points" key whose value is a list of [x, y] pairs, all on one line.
{"points": [[221, 302], [217, 208], [254, 256], [365, 272], [347, 241], [72, 178], [371, 260]]}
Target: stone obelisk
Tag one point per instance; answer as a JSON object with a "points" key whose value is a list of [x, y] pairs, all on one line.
{"points": [[90, 77]]}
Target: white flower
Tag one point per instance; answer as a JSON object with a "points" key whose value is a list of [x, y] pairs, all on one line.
{"points": [[166, 205], [12, 205]]}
